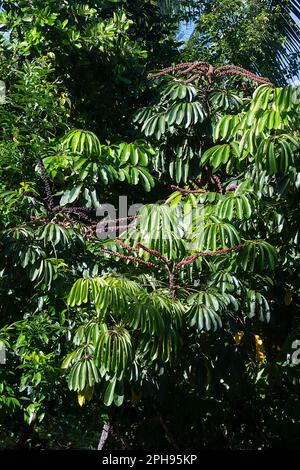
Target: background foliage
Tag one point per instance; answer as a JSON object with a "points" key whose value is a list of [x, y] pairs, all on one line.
{"points": [[177, 342]]}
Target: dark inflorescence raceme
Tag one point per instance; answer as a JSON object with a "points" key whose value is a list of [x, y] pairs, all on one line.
{"points": [[79, 212], [214, 179], [218, 182], [203, 69], [49, 196], [167, 264]]}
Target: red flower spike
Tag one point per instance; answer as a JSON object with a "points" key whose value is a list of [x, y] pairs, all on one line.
{"points": [[154, 253], [131, 258], [192, 258], [207, 70]]}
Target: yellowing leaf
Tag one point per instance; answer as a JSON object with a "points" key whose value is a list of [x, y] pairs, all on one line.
{"points": [[135, 398], [260, 350], [288, 298], [85, 395], [238, 337], [81, 399]]}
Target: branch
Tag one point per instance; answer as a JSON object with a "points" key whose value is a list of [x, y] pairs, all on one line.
{"points": [[104, 436]]}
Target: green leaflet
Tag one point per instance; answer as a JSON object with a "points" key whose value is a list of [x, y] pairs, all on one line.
{"points": [[109, 392], [217, 155], [81, 141], [257, 305]]}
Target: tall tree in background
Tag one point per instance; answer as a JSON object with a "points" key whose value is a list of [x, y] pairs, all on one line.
{"points": [[262, 36], [99, 49]]}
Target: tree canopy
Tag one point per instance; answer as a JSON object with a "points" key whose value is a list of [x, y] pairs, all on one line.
{"points": [[174, 323]]}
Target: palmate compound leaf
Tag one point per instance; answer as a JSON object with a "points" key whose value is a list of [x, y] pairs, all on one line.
{"points": [[225, 127], [179, 114], [114, 350], [277, 154], [213, 299], [226, 282], [257, 305], [234, 205], [83, 373], [215, 234], [138, 175], [161, 347], [82, 141], [44, 271], [86, 335], [28, 254], [71, 195], [133, 159], [105, 292], [217, 155], [261, 97], [179, 90], [154, 313], [225, 100], [160, 228], [186, 114], [142, 115], [155, 125], [284, 98], [54, 233], [203, 317], [137, 152], [257, 255], [281, 99]]}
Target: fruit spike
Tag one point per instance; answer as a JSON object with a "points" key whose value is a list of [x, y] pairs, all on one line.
{"points": [[204, 69], [218, 182], [131, 258], [122, 219], [154, 253], [188, 191], [231, 187], [191, 259], [44, 177], [127, 247], [78, 211]]}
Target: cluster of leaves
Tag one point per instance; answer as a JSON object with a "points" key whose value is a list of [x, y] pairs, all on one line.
{"points": [[179, 123], [82, 166]]}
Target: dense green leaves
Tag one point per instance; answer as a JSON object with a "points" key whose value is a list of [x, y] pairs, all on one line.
{"points": [[191, 304]]}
